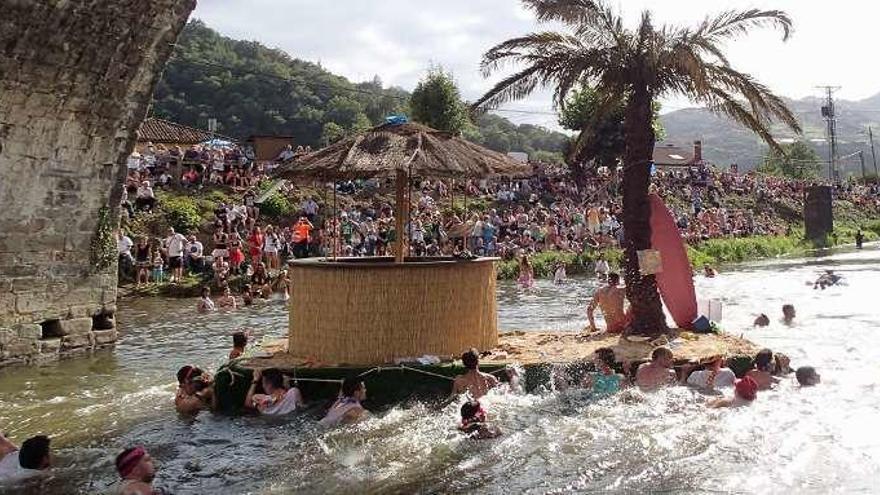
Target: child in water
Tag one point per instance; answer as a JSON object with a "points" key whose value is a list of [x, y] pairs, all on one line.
{"points": [[239, 342], [526, 273], [474, 424], [605, 381], [205, 303]]}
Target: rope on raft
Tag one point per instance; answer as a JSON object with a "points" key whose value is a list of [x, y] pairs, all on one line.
{"points": [[402, 367]]}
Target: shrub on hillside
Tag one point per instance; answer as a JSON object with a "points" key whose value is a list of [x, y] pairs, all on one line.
{"points": [[182, 213]]}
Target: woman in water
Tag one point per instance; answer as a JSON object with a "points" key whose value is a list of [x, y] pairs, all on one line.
{"points": [[605, 381], [526, 273], [205, 303], [227, 300], [278, 399], [347, 409]]}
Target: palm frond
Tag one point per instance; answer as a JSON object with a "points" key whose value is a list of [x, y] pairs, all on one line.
{"points": [[514, 49], [734, 23], [725, 104], [513, 87], [571, 12]]}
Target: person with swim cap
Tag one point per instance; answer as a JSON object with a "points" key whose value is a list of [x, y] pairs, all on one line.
{"points": [[473, 380], [610, 299], [745, 391], [474, 422], [658, 373], [348, 409], [136, 468]]}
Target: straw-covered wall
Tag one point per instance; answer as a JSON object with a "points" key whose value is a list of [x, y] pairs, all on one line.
{"points": [[361, 313]]}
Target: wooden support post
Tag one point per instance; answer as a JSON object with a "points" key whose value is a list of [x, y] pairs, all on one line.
{"points": [[399, 215]]}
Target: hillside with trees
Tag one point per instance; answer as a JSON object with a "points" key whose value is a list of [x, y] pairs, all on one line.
{"points": [[252, 89]]}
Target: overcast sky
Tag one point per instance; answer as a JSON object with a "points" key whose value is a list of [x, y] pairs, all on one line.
{"points": [[399, 39]]}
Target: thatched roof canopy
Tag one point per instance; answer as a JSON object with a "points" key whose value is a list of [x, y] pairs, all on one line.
{"points": [[410, 147]]}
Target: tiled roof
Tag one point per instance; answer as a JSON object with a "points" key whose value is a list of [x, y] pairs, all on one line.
{"points": [[164, 131]]}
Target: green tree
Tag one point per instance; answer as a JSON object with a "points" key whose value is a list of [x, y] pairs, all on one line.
{"points": [[436, 103], [638, 66], [796, 160], [331, 133]]}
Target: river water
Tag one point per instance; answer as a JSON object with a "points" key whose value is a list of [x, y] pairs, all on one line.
{"points": [[818, 440]]}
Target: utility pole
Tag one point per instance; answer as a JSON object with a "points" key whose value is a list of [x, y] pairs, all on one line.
{"points": [[873, 155], [862, 161], [831, 121]]}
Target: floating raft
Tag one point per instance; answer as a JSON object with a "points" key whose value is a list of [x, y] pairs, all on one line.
{"points": [[536, 354]]}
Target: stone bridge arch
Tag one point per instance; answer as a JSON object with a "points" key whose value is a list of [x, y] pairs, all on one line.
{"points": [[76, 78]]}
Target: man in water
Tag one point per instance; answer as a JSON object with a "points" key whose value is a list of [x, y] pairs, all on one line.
{"points": [[658, 373], [807, 376], [788, 314], [473, 380], [33, 456], [136, 468], [827, 279], [610, 300], [761, 321]]}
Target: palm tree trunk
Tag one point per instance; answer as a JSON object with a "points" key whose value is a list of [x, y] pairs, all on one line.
{"points": [[645, 306]]}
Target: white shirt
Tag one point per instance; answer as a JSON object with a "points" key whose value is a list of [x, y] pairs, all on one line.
{"points": [[602, 267], [174, 244], [310, 207], [124, 244], [289, 403], [195, 249], [724, 378], [10, 468], [145, 192]]}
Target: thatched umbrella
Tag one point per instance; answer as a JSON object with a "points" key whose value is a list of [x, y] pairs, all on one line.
{"points": [[401, 151]]}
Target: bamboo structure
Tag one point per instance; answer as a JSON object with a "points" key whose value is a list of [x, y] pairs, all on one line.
{"points": [[374, 311]]}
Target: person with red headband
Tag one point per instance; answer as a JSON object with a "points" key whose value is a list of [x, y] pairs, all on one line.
{"points": [[136, 468], [745, 391], [474, 423], [195, 390]]}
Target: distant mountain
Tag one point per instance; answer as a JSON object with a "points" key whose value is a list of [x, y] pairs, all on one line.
{"points": [[726, 142]]}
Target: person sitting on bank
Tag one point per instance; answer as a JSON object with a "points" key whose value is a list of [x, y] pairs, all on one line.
{"points": [[278, 399], [762, 372], [761, 321], [194, 390], [807, 376], [658, 373], [610, 299], [474, 423], [713, 377], [605, 381], [136, 468], [205, 303], [239, 342], [788, 314], [347, 409], [473, 380], [34, 456], [745, 391]]}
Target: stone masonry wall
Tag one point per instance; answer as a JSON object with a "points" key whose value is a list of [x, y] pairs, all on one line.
{"points": [[76, 77]]}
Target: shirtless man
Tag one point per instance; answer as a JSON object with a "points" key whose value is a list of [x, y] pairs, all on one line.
{"points": [[610, 300], [473, 380], [658, 373], [135, 467]]}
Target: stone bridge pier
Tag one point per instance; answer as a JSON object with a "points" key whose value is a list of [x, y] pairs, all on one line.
{"points": [[76, 78]]}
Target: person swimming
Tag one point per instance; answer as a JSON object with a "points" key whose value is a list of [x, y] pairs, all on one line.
{"points": [[136, 468], [788, 314], [33, 457], [348, 409], [278, 399], [205, 303], [745, 391], [807, 376], [474, 423], [762, 372], [473, 380], [713, 377], [239, 342], [605, 381], [827, 279], [658, 373], [195, 390], [761, 321], [708, 271]]}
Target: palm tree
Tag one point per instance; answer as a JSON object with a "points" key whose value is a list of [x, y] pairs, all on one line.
{"points": [[638, 66]]}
